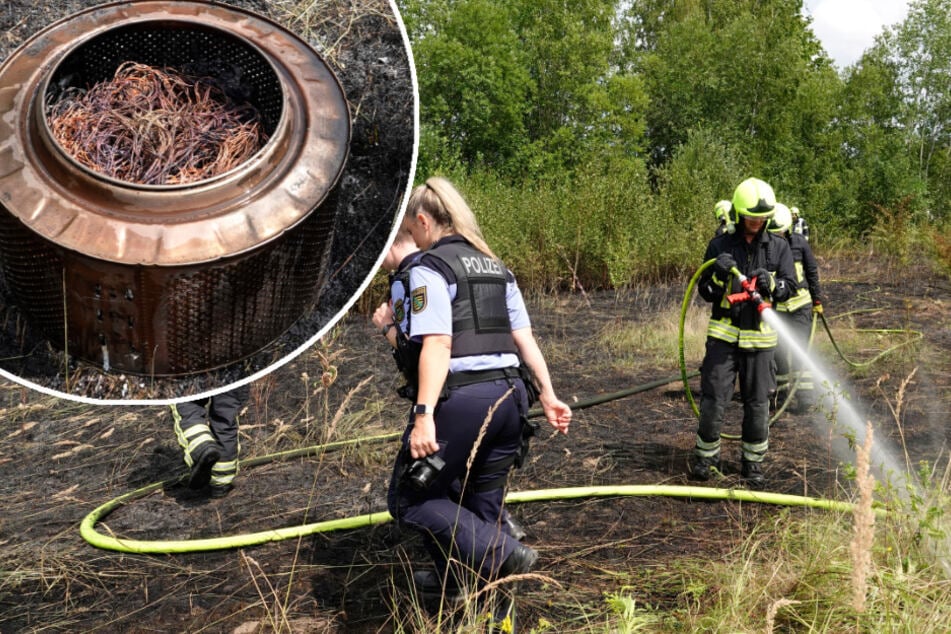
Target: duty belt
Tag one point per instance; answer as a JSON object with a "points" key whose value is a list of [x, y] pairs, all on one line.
{"points": [[457, 379]]}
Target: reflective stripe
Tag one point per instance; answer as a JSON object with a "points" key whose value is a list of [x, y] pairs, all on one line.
{"points": [[755, 452], [752, 340], [707, 449], [797, 301], [224, 472], [746, 339], [231, 465], [723, 330]]}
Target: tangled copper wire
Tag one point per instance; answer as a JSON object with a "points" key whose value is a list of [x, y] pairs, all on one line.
{"points": [[155, 126]]}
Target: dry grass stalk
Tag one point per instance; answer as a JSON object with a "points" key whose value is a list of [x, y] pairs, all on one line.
{"points": [[156, 126], [774, 608], [863, 527]]}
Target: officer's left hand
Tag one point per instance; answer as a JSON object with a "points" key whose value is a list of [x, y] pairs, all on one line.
{"points": [[557, 413], [817, 307], [763, 282]]}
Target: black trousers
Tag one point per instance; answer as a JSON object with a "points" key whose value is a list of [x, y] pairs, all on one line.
{"points": [[464, 523], [722, 364]]}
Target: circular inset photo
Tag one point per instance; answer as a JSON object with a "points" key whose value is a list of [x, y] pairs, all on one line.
{"points": [[191, 192]]}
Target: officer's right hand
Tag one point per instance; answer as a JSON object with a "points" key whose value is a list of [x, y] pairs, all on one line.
{"points": [[723, 265], [383, 315]]}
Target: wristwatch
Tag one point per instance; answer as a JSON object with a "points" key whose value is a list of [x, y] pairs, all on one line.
{"points": [[386, 328], [422, 409]]}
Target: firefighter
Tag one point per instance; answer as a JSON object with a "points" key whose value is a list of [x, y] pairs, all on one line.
{"points": [[479, 368], [722, 213], [797, 311], [799, 223], [207, 430], [739, 341]]}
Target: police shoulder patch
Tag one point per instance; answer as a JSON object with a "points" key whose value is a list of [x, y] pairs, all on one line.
{"points": [[419, 299]]}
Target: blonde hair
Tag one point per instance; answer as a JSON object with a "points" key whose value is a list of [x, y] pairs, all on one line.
{"points": [[446, 206]]}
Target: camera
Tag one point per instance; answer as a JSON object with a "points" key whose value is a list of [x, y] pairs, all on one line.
{"points": [[421, 472]]}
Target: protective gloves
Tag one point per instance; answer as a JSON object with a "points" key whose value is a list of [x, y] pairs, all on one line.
{"points": [[764, 281], [817, 307], [723, 264]]}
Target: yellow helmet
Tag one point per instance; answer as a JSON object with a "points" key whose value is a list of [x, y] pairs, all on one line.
{"points": [[753, 198], [722, 210], [781, 220]]}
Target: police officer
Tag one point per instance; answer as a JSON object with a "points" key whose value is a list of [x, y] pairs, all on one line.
{"points": [[469, 420], [797, 311], [392, 318], [738, 340], [207, 431]]}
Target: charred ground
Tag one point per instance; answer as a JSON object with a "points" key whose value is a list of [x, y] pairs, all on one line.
{"points": [[59, 460]]}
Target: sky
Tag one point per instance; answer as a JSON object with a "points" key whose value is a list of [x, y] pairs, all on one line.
{"points": [[847, 27]]}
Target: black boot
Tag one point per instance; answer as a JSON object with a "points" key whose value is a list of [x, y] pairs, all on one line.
{"points": [[204, 458], [753, 474], [704, 467], [521, 560]]}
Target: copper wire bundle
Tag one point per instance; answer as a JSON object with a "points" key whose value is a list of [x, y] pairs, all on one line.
{"points": [[155, 126]]}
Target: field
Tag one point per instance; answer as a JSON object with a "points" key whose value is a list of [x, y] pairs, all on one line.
{"points": [[59, 460]]}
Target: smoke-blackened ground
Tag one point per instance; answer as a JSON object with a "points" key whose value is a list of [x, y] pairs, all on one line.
{"points": [[59, 460], [362, 42]]}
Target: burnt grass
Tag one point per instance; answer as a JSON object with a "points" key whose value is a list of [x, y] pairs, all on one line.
{"points": [[361, 41], [60, 459]]}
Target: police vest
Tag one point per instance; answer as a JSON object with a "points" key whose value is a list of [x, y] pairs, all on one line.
{"points": [[480, 318]]}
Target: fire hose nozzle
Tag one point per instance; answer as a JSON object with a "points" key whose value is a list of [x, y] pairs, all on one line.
{"points": [[749, 293]]}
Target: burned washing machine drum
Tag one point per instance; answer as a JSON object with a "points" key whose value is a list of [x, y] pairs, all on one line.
{"points": [[169, 279]]}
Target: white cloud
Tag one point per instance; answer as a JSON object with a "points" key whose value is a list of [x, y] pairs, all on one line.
{"points": [[847, 27]]}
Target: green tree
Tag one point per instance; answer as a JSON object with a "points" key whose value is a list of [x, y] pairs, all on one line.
{"points": [[474, 85], [920, 51], [733, 66]]}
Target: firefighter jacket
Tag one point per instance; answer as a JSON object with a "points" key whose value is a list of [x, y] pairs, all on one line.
{"points": [[740, 323], [480, 319], [807, 275]]}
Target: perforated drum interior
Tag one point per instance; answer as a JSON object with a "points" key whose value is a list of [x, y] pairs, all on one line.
{"points": [[169, 279]]}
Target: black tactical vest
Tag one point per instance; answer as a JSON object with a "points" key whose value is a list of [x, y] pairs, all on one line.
{"points": [[480, 318]]}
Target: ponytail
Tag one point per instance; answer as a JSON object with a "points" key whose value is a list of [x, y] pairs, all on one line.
{"points": [[446, 206]]}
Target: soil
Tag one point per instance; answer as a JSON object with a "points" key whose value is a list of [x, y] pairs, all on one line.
{"points": [[60, 460], [362, 42]]}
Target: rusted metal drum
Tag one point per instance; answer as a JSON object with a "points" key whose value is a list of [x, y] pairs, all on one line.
{"points": [[169, 279]]}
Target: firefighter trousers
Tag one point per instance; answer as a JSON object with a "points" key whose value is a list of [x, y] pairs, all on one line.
{"points": [[212, 420], [722, 364]]}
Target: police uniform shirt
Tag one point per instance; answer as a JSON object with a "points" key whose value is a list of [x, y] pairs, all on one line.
{"points": [[399, 300], [431, 305]]}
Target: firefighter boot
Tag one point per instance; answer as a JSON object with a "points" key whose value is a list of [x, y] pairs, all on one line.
{"points": [[704, 467], [204, 458], [752, 473]]}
